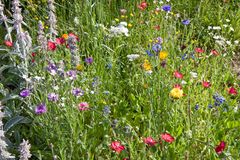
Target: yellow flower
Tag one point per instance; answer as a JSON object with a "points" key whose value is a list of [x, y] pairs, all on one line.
{"points": [[131, 15], [65, 36], [146, 65], [163, 55], [122, 16], [176, 93], [117, 20], [80, 67], [130, 25]]}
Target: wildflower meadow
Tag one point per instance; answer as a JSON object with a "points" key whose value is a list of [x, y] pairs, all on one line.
{"points": [[119, 79]]}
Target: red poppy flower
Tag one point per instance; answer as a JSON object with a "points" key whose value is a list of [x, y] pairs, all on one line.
{"points": [[33, 60], [178, 75], [149, 141], [60, 40], [232, 91], [219, 149], [116, 146], [51, 46], [214, 52], [142, 6], [206, 84], [199, 50], [157, 27], [167, 137], [8, 43], [177, 86]]}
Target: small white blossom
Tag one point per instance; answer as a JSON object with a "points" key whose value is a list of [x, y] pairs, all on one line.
{"points": [[194, 74], [132, 57]]}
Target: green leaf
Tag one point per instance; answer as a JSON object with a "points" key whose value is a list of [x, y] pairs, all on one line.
{"points": [[15, 121]]}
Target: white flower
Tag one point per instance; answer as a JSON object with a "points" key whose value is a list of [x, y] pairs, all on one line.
{"points": [[227, 20], [183, 82], [194, 74], [228, 42], [56, 88], [216, 28], [76, 20], [225, 25], [231, 29], [236, 42], [210, 27], [119, 30], [132, 57]]}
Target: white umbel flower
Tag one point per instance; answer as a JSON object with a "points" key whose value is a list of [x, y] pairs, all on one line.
{"points": [[132, 57]]}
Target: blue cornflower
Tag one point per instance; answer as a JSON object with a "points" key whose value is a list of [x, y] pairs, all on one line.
{"points": [[196, 107], [149, 53], [186, 22], [184, 56], [210, 106], [157, 47], [218, 99], [166, 8], [106, 110]]}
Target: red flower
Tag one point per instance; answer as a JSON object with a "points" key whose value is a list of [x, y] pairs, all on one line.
{"points": [[51, 46], [157, 27], [60, 40], [167, 137], [149, 141], [206, 84], [177, 86], [142, 6], [232, 91], [116, 146], [33, 54], [33, 60], [8, 43], [178, 75], [214, 52], [199, 50], [219, 149]]}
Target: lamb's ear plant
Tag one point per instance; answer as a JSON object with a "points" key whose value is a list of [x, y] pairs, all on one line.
{"points": [[52, 20]]}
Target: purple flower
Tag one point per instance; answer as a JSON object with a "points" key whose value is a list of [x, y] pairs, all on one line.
{"points": [[52, 68], [159, 40], [40, 109], [53, 97], [166, 8], [72, 74], [77, 92], [156, 47], [25, 93], [89, 60], [149, 53], [186, 22]]}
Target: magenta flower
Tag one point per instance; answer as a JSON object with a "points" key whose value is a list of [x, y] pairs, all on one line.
{"points": [[83, 106], [149, 141], [24, 93], [40, 109]]}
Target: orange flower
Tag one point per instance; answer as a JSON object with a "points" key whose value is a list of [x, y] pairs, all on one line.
{"points": [[65, 36]]}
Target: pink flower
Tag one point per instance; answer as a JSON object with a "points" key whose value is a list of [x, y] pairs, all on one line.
{"points": [[167, 137], [142, 6], [116, 146], [8, 43], [199, 50], [214, 52], [219, 149], [206, 84], [51, 46], [83, 106], [232, 91], [178, 75], [74, 35], [149, 141], [60, 40]]}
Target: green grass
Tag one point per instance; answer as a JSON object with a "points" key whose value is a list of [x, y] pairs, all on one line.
{"points": [[139, 101]]}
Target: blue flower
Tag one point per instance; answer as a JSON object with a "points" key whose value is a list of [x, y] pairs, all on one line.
{"points": [[186, 22], [166, 8], [149, 53], [196, 107], [184, 56], [218, 99], [157, 47]]}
